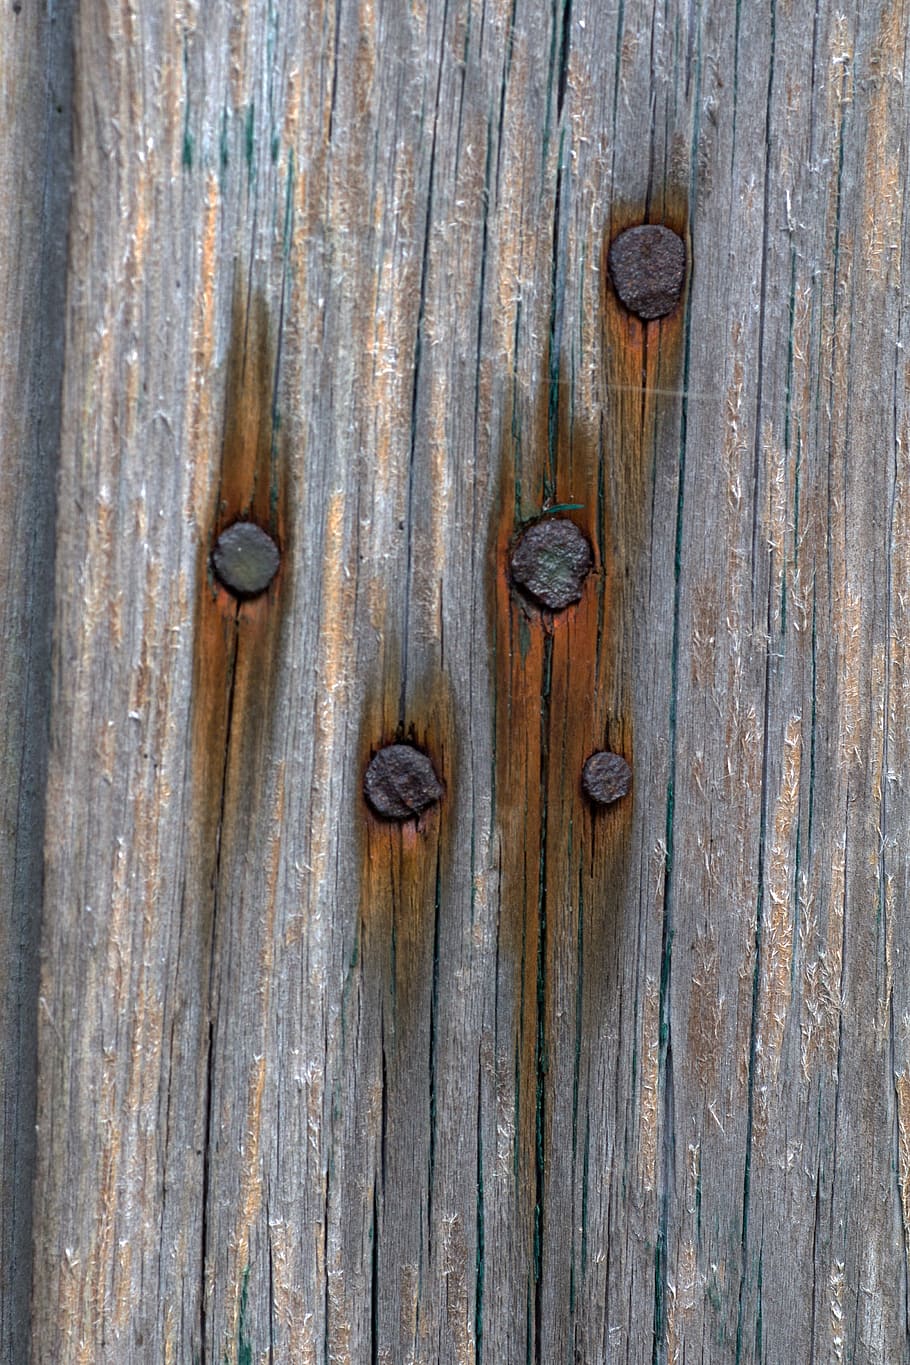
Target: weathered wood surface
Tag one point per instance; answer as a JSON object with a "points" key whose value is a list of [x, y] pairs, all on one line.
{"points": [[34, 152], [526, 1082]]}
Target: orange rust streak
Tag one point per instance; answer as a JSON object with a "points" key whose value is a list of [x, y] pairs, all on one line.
{"points": [[235, 790], [399, 864], [564, 688], [246, 470], [399, 861], [213, 663], [246, 485], [642, 363]]}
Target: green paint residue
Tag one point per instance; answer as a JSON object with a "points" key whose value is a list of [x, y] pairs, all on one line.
{"points": [[249, 140], [224, 151], [659, 1319], [244, 1349], [187, 135], [664, 987], [479, 1266], [758, 1315]]}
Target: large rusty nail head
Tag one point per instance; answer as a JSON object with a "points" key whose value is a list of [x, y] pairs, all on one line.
{"points": [[245, 559], [606, 777], [551, 562], [400, 782], [648, 266]]}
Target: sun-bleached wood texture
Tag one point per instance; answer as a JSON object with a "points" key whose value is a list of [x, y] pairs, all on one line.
{"points": [[524, 1081], [34, 151]]}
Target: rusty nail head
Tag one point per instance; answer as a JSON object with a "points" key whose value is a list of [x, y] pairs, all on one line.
{"points": [[606, 777], [647, 267], [245, 559], [400, 783], [551, 562]]}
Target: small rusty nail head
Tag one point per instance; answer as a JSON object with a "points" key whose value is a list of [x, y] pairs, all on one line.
{"points": [[648, 266], [551, 562], [400, 783], [245, 559], [606, 777]]}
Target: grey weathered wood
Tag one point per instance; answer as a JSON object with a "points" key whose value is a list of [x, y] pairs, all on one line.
{"points": [[524, 1082], [34, 154]]}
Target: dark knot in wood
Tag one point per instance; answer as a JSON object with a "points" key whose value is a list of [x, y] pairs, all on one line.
{"points": [[400, 783], [647, 267], [245, 559], [551, 562], [606, 777]]}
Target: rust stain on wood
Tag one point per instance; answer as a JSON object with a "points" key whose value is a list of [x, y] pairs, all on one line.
{"points": [[643, 370], [550, 670], [401, 862], [235, 644], [549, 712], [563, 689], [405, 868]]}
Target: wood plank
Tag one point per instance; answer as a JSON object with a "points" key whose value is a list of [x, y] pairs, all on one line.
{"points": [[523, 1080], [34, 152]]}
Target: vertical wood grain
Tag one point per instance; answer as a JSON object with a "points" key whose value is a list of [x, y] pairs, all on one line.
{"points": [[35, 119], [522, 1080]]}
